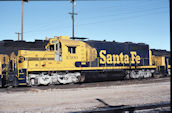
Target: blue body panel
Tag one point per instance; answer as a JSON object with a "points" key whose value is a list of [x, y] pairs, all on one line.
{"points": [[116, 48], [22, 76]]}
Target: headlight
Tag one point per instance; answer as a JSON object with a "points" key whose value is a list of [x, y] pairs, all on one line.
{"points": [[21, 59]]}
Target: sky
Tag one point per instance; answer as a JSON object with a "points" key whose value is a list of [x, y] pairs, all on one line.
{"points": [[138, 21]]}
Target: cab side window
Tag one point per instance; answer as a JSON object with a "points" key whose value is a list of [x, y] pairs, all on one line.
{"points": [[72, 50], [51, 47], [4, 59]]}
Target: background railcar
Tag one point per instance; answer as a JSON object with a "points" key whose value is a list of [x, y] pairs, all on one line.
{"points": [[9, 46], [162, 60], [8, 54]]}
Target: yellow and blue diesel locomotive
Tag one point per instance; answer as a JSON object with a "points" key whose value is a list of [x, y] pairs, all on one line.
{"points": [[71, 61], [162, 60], [8, 57], [4, 60]]}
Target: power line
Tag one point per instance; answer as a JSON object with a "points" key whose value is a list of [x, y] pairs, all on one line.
{"points": [[130, 12], [123, 9], [117, 19], [143, 11], [48, 25]]}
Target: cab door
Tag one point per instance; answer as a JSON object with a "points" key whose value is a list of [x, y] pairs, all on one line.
{"points": [[58, 51]]}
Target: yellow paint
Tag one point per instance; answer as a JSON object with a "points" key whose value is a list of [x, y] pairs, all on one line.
{"points": [[117, 59], [150, 57], [109, 59], [43, 60], [21, 78], [4, 59], [168, 65], [102, 56], [121, 58], [134, 57], [126, 59], [22, 84], [158, 60]]}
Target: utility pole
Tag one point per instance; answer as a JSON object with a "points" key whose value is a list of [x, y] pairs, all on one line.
{"points": [[22, 22], [73, 13], [18, 35], [22, 19]]}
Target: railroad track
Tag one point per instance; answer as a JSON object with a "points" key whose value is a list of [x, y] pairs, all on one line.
{"points": [[162, 107], [85, 85]]}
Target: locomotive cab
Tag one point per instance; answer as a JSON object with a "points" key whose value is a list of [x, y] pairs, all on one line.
{"points": [[56, 47], [49, 66]]}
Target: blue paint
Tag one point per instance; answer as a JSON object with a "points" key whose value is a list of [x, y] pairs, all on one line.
{"points": [[22, 74]]}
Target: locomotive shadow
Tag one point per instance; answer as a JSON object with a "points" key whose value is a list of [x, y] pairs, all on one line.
{"points": [[151, 107], [112, 109], [106, 108]]}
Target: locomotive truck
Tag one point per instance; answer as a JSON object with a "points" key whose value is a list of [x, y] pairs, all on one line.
{"points": [[70, 61]]}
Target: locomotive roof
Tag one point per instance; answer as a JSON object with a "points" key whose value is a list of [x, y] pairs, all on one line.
{"points": [[160, 52], [128, 42], [9, 46], [127, 45]]}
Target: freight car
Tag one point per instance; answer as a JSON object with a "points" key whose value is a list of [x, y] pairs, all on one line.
{"points": [[71, 61]]}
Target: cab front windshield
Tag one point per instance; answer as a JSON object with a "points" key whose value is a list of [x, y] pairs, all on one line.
{"points": [[51, 47], [54, 47]]}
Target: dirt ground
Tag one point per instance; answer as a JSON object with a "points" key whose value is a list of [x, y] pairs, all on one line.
{"points": [[77, 99]]}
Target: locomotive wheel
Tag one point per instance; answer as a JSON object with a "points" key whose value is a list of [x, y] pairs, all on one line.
{"points": [[81, 78], [4, 82], [32, 82], [15, 82]]}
